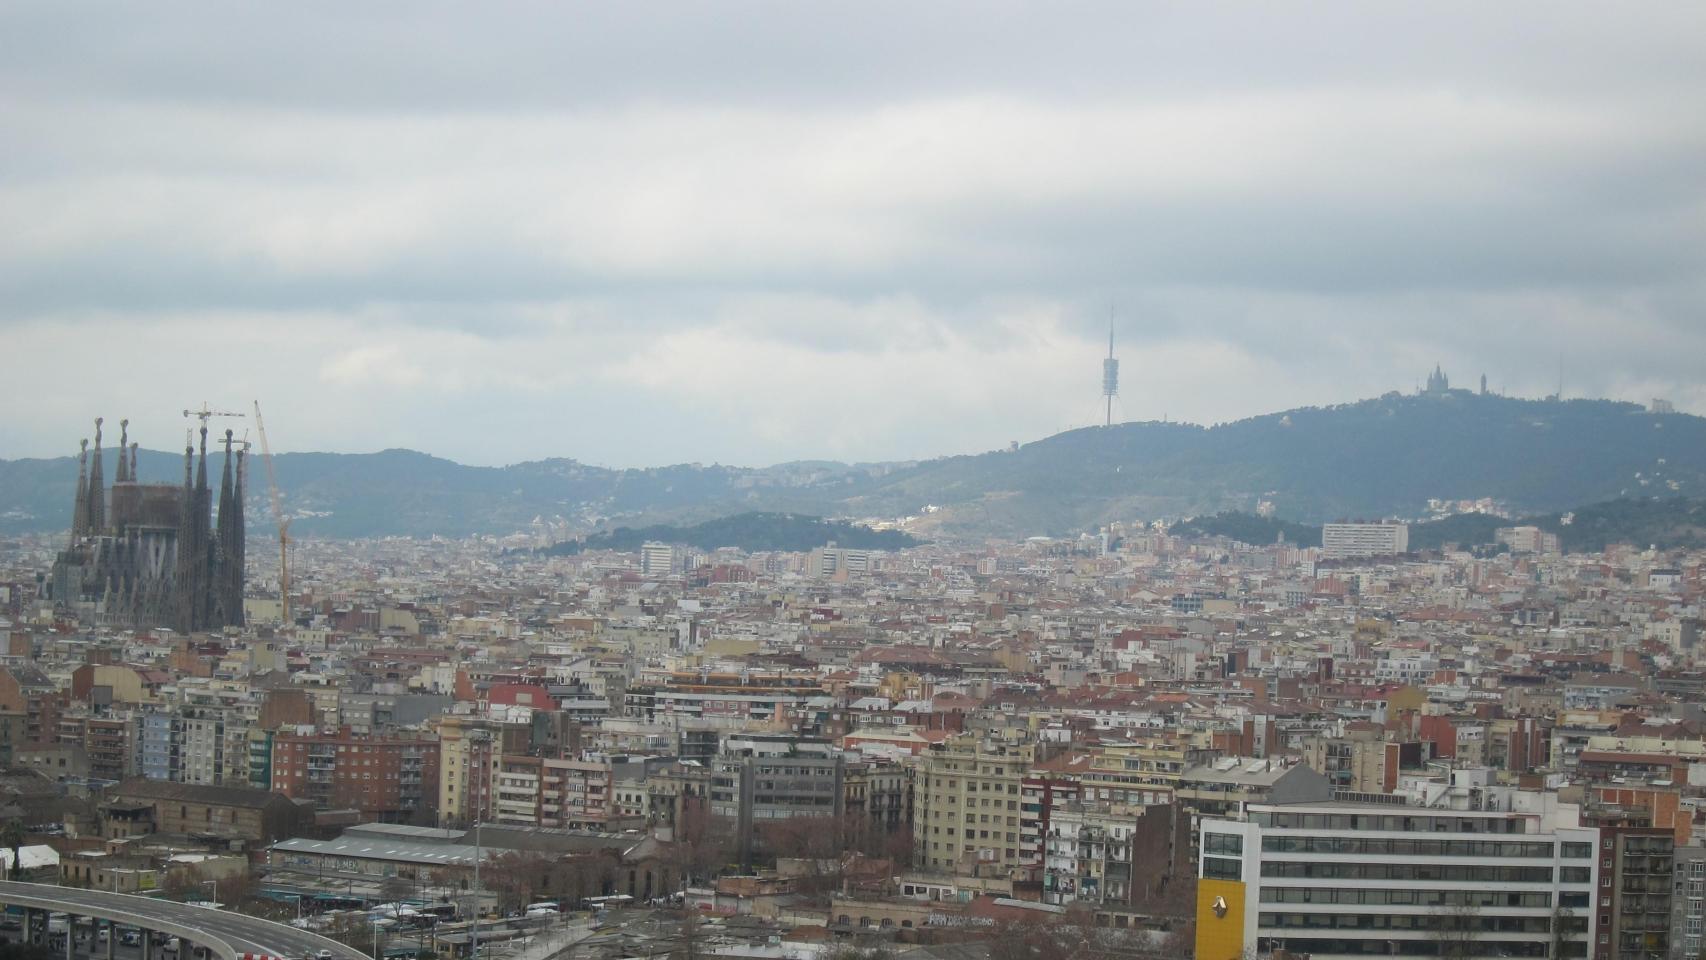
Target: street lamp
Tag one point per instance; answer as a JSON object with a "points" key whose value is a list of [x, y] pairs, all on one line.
{"points": [[474, 936], [479, 821]]}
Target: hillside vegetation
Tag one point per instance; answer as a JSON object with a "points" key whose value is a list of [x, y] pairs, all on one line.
{"points": [[750, 532], [1667, 523], [1375, 458]]}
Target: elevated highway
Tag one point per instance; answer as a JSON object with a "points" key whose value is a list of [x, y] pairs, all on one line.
{"points": [[225, 934]]}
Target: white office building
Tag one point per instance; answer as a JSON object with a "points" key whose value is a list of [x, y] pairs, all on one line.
{"points": [[656, 559], [1389, 880], [1340, 541]]}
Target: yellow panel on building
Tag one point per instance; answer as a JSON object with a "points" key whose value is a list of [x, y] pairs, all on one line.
{"points": [[1220, 919]]}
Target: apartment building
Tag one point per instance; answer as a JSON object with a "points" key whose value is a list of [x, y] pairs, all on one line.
{"points": [[1635, 896], [572, 793], [1688, 902], [1341, 541], [470, 749], [966, 801], [388, 779], [656, 559], [1362, 760], [1389, 880], [757, 785]]}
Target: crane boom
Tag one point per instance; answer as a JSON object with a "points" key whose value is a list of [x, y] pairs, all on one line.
{"points": [[206, 411], [278, 517]]}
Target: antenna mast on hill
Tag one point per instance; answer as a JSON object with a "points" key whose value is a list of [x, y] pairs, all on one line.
{"points": [[1110, 372]]}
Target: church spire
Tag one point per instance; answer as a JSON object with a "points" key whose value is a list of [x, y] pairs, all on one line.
{"points": [[224, 547], [236, 562], [123, 474], [96, 515], [80, 507], [201, 463], [184, 582]]}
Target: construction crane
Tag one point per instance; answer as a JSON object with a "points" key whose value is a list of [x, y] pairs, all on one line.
{"points": [[278, 517], [205, 412]]}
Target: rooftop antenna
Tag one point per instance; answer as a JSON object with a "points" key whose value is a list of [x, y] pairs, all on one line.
{"points": [[1110, 372]]}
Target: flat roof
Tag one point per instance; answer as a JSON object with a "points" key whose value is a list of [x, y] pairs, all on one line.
{"points": [[388, 848]]}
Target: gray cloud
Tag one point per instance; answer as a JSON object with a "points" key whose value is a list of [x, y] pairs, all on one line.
{"points": [[748, 231]]}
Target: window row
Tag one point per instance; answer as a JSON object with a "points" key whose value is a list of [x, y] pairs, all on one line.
{"points": [[1408, 872], [1406, 898], [1382, 847], [1413, 921]]}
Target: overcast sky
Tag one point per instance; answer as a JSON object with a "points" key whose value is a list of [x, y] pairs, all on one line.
{"points": [[638, 234]]}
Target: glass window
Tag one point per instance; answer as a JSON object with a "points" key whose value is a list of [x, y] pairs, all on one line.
{"points": [[1222, 868]]}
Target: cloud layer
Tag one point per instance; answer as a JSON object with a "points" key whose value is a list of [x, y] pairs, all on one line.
{"points": [[756, 232]]}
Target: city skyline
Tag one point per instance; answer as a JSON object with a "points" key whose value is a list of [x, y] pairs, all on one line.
{"points": [[758, 234]]}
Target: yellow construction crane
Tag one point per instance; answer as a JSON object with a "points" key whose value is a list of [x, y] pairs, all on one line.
{"points": [[278, 517]]}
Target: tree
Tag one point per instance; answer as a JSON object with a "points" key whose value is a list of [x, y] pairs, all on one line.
{"points": [[698, 851], [395, 888], [181, 884], [1565, 926], [513, 875], [848, 951], [1072, 935], [574, 878], [12, 836], [688, 934], [816, 843], [898, 846], [1456, 930]]}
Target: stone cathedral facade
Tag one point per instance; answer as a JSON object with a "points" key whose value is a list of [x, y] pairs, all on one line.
{"points": [[145, 555]]}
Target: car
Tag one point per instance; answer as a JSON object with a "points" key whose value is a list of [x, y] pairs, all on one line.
{"points": [[323, 955], [131, 938], [11, 923]]}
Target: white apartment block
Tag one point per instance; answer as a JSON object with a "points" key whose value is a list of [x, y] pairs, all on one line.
{"points": [[656, 559], [1340, 541], [1337, 880]]}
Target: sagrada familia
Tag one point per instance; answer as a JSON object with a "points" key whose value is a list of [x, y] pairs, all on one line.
{"points": [[151, 556]]}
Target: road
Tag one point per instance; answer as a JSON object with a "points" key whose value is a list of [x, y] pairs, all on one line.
{"points": [[241, 933]]}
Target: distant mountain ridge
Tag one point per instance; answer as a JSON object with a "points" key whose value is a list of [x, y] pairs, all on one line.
{"points": [[1375, 458]]}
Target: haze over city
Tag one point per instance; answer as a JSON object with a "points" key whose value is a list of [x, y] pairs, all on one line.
{"points": [[750, 233], [828, 481]]}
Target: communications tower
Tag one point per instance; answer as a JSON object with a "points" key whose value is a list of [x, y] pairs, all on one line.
{"points": [[1110, 375]]}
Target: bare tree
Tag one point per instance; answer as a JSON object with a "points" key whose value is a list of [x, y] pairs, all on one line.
{"points": [[514, 875], [1072, 935], [848, 951], [13, 836], [688, 935], [1564, 927], [1456, 930], [395, 888], [698, 851]]}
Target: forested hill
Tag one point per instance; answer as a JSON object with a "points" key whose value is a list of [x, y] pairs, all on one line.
{"points": [[1375, 458], [1667, 523], [750, 532]]}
